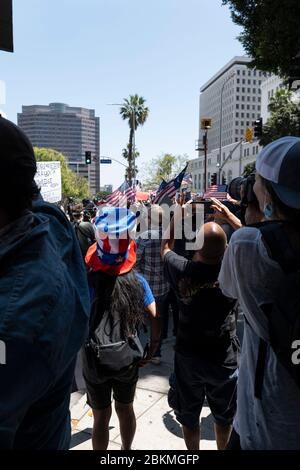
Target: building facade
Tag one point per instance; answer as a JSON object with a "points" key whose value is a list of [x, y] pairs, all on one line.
{"points": [[69, 130], [234, 159], [237, 89]]}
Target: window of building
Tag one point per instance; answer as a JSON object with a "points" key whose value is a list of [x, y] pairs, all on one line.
{"points": [[236, 131], [248, 106], [253, 98], [243, 81], [237, 106], [243, 98], [254, 72], [243, 90], [254, 90], [244, 72], [248, 152], [253, 150], [237, 89], [237, 115], [236, 123], [237, 80], [238, 71], [248, 90], [237, 98], [245, 153], [242, 115], [249, 82]]}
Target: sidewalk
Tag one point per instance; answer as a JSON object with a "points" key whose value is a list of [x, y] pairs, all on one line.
{"points": [[157, 428]]}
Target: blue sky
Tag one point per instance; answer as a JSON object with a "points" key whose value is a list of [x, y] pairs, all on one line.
{"points": [[92, 52]]}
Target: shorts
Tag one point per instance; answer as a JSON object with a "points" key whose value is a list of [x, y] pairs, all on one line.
{"points": [[123, 387], [196, 379]]}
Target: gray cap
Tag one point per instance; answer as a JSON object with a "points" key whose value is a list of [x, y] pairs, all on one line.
{"points": [[279, 163]]}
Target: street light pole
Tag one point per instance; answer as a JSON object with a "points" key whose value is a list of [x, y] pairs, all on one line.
{"points": [[221, 125]]}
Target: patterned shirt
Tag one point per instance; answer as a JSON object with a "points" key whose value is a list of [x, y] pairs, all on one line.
{"points": [[149, 262]]}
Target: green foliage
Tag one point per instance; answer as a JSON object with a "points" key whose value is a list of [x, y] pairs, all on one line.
{"points": [[270, 31], [248, 169], [130, 170], [136, 113], [72, 185], [166, 166], [284, 119]]}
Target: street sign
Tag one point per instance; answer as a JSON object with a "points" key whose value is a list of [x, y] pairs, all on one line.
{"points": [[105, 160], [248, 134]]}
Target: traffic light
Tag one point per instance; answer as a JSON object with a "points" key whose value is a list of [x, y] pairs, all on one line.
{"points": [[88, 158], [213, 179], [224, 181], [258, 127]]}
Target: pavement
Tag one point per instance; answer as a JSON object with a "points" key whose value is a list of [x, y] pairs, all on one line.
{"points": [[157, 428]]}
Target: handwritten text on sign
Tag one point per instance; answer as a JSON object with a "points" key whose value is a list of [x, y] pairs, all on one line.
{"points": [[48, 178]]}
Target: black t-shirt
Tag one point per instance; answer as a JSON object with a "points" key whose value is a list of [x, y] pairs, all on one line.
{"points": [[207, 323]]}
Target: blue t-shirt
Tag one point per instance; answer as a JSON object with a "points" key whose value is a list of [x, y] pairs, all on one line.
{"points": [[148, 296]]}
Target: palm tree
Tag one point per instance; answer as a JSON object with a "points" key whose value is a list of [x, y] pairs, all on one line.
{"points": [[136, 113]]}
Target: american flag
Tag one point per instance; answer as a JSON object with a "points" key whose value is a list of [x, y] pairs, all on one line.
{"points": [[121, 196], [219, 191], [188, 178], [170, 188]]}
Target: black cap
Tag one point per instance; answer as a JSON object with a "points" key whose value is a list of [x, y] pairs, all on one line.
{"points": [[17, 160]]}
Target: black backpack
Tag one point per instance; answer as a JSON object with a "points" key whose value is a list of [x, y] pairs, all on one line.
{"points": [[108, 352], [284, 313]]}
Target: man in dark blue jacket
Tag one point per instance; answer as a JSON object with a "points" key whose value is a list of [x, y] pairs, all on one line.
{"points": [[44, 305]]}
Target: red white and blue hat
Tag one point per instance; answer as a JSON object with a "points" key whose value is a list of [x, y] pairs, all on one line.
{"points": [[115, 250]]}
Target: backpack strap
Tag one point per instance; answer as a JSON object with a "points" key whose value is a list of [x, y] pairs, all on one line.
{"points": [[260, 368]]}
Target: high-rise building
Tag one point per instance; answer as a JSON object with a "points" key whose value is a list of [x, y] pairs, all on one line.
{"points": [[69, 130], [236, 89]]}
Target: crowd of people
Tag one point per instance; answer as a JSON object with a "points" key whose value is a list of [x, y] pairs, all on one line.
{"points": [[104, 287]]}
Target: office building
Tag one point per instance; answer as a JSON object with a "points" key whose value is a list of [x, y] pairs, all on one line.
{"points": [[69, 130]]}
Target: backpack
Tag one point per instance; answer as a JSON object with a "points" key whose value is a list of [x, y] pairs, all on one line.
{"points": [[284, 313], [107, 351]]}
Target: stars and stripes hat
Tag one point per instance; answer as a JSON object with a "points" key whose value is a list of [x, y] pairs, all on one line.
{"points": [[115, 250], [279, 163]]}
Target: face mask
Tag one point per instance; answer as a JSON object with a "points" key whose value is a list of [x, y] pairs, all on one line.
{"points": [[268, 211]]}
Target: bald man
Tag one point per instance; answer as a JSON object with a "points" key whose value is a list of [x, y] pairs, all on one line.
{"points": [[206, 348]]}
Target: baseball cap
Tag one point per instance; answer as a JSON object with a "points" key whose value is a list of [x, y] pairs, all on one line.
{"points": [[279, 163]]}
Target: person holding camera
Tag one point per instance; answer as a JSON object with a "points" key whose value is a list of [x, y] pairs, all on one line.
{"points": [[206, 343], [261, 270]]}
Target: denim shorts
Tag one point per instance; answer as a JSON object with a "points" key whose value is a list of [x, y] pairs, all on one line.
{"points": [[193, 380]]}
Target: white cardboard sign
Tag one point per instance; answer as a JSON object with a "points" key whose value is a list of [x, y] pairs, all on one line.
{"points": [[48, 178]]}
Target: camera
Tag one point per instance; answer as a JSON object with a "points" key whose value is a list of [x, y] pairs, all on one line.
{"points": [[241, 189]]}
